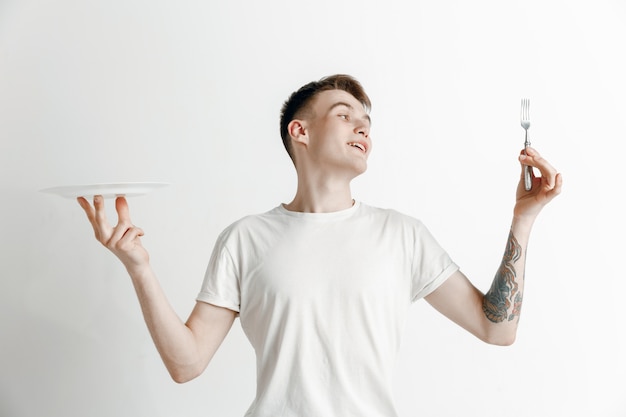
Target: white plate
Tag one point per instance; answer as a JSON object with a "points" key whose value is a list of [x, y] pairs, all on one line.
{"points": [[127, 189]]}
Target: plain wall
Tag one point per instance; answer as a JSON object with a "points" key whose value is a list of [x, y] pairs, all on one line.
{"points": [[189, 93]]}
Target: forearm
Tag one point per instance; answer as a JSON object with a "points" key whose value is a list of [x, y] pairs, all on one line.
{"points": [[502, 304], [493, 317], [186, 348], [174, 341]]}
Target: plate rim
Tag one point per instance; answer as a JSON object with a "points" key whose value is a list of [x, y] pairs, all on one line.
{"points": [[74, 191]]}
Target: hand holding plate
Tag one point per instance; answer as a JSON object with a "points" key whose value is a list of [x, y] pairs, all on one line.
{"points": [[124, 238]]}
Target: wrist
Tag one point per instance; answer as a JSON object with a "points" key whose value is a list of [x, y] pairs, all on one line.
{"points": [[522, 223], [139, 271]]}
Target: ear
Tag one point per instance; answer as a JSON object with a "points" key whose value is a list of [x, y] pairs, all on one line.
{"points": [[298, 131]]}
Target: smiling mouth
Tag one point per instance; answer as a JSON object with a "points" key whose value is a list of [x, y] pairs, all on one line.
{"points": [[357, 145]]}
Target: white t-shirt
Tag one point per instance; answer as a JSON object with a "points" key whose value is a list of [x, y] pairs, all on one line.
{"points": [[323, 299]]}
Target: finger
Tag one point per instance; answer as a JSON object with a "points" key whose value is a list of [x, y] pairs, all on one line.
{"points": [[558, 185], [128, 238], [132, 233], [124, 224], [534, 159], [523, 159], [121, 233], [123, 213], [529, 155], [101, 223], [91, 216], [89, 211], [523, 166], [98, 205], [123, 220]]}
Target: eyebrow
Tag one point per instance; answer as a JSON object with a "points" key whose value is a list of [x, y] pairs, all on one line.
{"points": [[351, 107]]}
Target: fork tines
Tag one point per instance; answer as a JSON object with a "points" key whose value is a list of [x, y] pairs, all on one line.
{"points": [[525, 111]]}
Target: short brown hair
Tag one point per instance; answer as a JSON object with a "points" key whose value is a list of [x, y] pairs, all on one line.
{"points": [[299, 100]]}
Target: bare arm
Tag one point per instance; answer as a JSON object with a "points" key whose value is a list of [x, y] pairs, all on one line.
{"points": [[186, 348], [493, 317]]}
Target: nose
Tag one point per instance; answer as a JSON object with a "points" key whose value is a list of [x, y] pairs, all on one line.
{"points": [[362, 129]]}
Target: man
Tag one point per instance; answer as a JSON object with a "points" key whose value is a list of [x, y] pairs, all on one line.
{"points": [[322, 285]]}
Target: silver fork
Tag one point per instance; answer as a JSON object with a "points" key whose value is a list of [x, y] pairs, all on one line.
{"points": [[525, 122]]}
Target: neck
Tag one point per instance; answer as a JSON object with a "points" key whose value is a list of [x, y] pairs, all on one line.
{"points": [[321, 195]]}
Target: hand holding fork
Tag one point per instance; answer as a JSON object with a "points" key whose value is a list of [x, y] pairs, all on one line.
{"points": [[525, 122], [544, 187]]}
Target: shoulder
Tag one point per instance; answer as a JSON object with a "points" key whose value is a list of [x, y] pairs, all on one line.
{"points": [[404, 227], [390, 216], [251, 224]]}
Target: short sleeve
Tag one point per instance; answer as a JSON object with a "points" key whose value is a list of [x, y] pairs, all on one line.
{"points": [[431, 264], [221, 284]]}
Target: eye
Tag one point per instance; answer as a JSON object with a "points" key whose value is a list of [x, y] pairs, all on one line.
{"points": [[344, 116]]}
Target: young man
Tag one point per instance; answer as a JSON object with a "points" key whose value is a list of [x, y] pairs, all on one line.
{"points": [[322, 285]]}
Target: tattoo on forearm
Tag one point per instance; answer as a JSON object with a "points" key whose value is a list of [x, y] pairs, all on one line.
{"points": [[504, 291]]}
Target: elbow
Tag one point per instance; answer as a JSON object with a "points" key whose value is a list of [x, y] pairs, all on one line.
{"points": [[504, 342], [180, 379], [182, 370], [181, 376], [500, 340]]}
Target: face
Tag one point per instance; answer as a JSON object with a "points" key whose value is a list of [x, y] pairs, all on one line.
{"points": [[337, 133]]}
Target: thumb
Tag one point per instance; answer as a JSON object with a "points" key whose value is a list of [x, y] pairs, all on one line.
{"points": [[123, 213]]}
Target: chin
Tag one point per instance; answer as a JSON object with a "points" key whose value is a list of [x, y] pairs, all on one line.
{"points": [[360, 169]]}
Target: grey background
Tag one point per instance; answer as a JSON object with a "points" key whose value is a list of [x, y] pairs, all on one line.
{"points": [[189, 93]]}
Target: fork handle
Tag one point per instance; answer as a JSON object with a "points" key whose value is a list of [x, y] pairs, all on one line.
{"points": [[528, 178]]}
